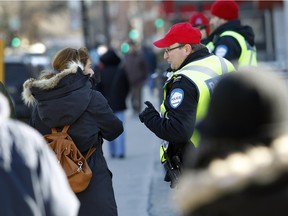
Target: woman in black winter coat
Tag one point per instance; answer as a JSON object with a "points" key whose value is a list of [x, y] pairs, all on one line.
{"points": [[65, 96]]}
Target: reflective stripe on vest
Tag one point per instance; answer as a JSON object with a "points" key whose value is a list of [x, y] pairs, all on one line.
{"points": [[204, 74], [248, 56]]}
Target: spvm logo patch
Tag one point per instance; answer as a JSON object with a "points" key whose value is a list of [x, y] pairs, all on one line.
{"points": [[211, 83], [221, 50], [176, 98]]}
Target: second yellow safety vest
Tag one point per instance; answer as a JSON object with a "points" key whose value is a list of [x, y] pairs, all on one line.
{"points": [[248, 56]]}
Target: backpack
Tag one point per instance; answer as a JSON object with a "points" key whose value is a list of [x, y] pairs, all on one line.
{"points": [[72, 161]]}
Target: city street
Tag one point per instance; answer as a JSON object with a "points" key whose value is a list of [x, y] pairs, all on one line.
{"points": [[138, 179]]}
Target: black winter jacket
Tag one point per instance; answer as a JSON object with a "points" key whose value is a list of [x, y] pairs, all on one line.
{"points": [[114, 83], [179, 126], [67, 98]]}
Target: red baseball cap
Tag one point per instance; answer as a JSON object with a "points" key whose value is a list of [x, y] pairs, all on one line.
{"points": [[198, 19], [180, 33], [225, 9]]}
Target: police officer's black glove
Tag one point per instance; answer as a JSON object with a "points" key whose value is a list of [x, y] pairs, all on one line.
{"points": [[148, 112]]}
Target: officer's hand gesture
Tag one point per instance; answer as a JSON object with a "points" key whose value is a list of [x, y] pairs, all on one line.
{"points": [[148, 112]]}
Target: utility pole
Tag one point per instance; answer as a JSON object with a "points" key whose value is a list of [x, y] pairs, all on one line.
{"points": [[2, 74], [106, 24], [85, 23], [286, 31]]}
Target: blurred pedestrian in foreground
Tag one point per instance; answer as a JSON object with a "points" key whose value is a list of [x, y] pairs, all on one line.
{"points": [[31, 180], [4, 91], [199, 20], [243, 150], [245, 109], [114, 86], [192, 74], [65, 97], [229, 39], [136, 68]]}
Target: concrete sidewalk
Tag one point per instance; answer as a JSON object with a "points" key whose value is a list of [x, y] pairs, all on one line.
{"points": [[138, 178]]}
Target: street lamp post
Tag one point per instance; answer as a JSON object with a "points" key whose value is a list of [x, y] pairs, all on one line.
{"points": [[85, 23], [106, 20]]}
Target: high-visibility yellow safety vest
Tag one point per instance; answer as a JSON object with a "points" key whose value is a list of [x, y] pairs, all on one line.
{"points": [[204, 74], [248, 56]]}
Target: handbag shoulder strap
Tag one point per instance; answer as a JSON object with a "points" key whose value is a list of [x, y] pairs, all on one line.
{"points": [[65, 128], [90, 152]]}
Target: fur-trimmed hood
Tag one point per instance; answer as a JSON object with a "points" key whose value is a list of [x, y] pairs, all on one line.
{"points": [[45, 83], [258, 166], [60, 98]]}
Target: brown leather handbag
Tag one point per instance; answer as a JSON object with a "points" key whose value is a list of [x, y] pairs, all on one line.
{"points": [[72, 161]]}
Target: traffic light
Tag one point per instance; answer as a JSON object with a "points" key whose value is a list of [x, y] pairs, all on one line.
{"points": [[15, 42], [125, 47], [134, 34], [159, 23]]}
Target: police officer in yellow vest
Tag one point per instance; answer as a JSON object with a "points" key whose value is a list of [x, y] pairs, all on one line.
{"points": [[229, 38], [193, 73]]}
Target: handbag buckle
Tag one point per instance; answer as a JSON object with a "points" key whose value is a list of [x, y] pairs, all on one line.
{"points": [[80, 164]]}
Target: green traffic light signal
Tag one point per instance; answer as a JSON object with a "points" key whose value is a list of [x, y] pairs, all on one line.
{"points": [[16, 42], [133, 34], [159, 23], [125, 47]]}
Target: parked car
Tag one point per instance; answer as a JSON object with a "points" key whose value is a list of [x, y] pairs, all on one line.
{"points": [[17, 70]]}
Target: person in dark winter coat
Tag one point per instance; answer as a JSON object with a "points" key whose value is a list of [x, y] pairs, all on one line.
{"points": [[65, 96], [246, 109], [114, 86], [151, 61], [137, 71], [241, 164], [230, 39], [31, 180]]}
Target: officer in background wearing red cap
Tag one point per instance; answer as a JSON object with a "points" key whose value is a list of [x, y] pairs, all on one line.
{"points": [[229, 38], [192, 74], [199, 20]]}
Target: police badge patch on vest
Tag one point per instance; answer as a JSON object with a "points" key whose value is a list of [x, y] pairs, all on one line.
{"points": [[176, 98], [221, 50], [211, 83]]}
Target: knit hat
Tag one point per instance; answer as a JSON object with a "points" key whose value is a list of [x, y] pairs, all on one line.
{"points": [[180, 33], [199, 20], [248, 105], [110, 58], [225, 9]]}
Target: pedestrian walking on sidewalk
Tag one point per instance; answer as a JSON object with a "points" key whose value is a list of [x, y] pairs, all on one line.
{"points": [[192, 74], [114, 86], [65, 96], [137, 71]]}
